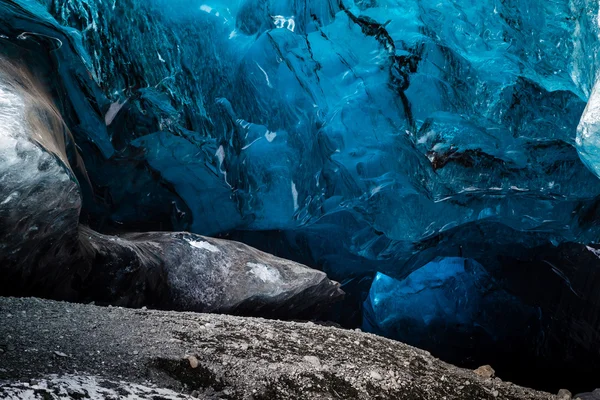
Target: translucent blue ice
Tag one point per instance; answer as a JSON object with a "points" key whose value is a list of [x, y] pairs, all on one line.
{"points": [[451, 297], [413, 117]]}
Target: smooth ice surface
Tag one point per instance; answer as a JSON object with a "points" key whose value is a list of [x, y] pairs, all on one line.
{"points": [[452, 298]]}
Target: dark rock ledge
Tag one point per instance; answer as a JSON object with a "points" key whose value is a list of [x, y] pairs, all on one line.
{"points": [[54, 350]]}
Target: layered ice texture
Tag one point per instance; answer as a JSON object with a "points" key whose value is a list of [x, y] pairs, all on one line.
{"points": [[371, 139], [408, 118]]}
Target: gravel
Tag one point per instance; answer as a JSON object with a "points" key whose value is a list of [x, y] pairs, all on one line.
{"points": [[54, 350]]}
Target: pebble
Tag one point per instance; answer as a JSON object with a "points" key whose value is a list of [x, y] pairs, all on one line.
{"points": [[314, 361], [485, 371], [193, 361], [564, 394], [376, 375]]}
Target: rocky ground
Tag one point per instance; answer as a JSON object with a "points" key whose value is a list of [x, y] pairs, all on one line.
{"points": [[54, 350]]}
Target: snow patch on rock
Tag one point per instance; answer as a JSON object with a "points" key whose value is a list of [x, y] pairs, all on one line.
{"points": [[88, 387], [204, 246], [264, 272]]}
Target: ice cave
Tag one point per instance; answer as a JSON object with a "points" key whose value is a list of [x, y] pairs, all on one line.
{"points": [[423, 170]]}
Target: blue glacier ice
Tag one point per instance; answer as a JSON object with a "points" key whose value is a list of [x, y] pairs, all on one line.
{"points": [[451, 300], [375, 109], [380, 141]]}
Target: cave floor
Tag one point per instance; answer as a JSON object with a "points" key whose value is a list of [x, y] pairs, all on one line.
{"points": [[82, 351]]}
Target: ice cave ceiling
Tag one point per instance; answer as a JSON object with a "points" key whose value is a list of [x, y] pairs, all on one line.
{"points": [[437, 158]]}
